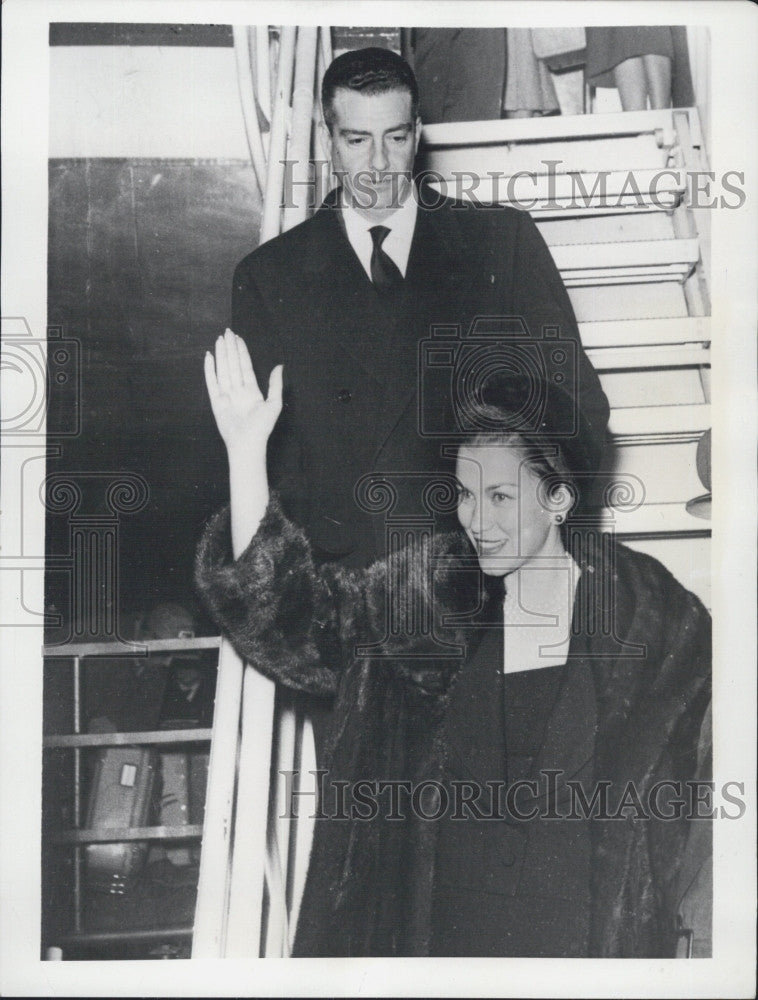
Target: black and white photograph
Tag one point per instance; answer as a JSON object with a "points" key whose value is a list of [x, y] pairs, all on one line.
{"points": [[367, 592]]}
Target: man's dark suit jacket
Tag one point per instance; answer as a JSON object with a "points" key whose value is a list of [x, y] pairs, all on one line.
{"points": [[354, 360]]}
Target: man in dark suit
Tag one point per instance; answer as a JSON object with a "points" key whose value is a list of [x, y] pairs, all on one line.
{"points": [[352, 301]]}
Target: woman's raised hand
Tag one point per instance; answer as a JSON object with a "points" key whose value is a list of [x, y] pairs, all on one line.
{"points": [[243, 417]]}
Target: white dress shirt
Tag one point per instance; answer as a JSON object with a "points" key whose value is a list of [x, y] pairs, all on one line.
{"points": [[397, 243], [537, 612]]}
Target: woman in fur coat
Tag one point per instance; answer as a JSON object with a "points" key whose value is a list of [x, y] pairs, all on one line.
{"points": [[516, 704]]}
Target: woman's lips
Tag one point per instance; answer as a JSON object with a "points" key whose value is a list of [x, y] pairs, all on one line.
{"points": [[490, 548]]}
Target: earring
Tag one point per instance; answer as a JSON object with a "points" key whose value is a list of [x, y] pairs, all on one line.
{"points": [[559, 518]]}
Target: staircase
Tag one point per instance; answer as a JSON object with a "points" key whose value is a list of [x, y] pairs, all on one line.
{"points": [[611, 195]]}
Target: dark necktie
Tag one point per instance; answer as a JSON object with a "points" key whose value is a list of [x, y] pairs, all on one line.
{"points": [[385, 274]]}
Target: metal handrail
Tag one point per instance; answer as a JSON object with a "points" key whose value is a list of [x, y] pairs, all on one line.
{"points": [[117, 834], [146, 738], [135, 936], [119, 649]]}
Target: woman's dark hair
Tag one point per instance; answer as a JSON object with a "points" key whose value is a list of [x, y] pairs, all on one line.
{"points": [[542, 455], [370, 71]]}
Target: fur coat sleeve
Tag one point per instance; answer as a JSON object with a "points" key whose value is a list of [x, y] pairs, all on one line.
{"points": [[300, 624]]}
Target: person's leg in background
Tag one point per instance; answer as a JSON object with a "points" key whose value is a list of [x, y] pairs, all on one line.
{"points": [[569, 89], [529, 87], [631, 81], [642, 77], [563, 53], [658, 76]]}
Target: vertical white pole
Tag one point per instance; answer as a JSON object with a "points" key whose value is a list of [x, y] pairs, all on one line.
{"points": [[246, 86], [249, 852], [271, 221], [325, 45], [299, 148], [279, 837], [208, 940], [699, 45], [304, 823], [235, 864], [263, 73], [323, 176]]}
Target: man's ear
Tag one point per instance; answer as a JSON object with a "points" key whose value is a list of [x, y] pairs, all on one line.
{"points": [[325, 139], [419, 126]]}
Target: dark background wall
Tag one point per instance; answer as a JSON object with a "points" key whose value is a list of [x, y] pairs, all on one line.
{"points": [[141, 256], [140, 260]]}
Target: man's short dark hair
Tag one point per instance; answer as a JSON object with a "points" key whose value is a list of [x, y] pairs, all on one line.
{"points": [[369, 71]]}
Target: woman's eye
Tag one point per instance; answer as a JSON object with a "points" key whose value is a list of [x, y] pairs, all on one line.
{"points": [[464, 494], [399, 138], [501, 497]]}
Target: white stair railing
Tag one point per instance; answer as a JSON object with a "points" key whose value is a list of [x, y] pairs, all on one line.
{"points": [[253, 861]]}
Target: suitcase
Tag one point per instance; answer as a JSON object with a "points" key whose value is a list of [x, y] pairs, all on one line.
{"points": [[121, 795], [174, 808], [198, 785], [184, 778]]}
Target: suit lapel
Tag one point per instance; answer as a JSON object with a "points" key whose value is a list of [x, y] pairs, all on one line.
{"points": [[435, 291], [384, 337], [352, 316]]}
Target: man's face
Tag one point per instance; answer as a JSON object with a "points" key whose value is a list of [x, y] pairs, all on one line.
{"points": [[372, 144]]}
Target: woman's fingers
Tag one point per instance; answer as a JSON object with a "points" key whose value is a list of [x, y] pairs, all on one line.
{"points": [[233, 359], [275, 387], [211, 383], [238, 405], [215, 394], [222, 364], [234, 370], [248, 375]]}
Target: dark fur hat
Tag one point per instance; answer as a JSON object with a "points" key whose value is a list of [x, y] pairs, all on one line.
{"points": [[539, 408]]}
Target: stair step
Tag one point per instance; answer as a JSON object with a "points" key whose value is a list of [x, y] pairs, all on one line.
{"points": [[525, 184], [623, 333], [653, 519], [556, 127], [658, 356], [639, 424]]}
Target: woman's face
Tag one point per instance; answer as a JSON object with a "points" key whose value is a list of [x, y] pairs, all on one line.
{"points": [[499, 508]]}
